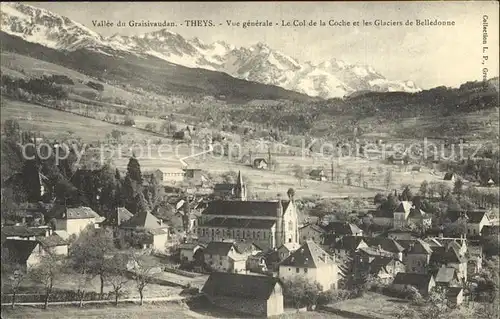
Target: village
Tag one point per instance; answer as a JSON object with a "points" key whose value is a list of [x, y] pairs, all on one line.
{"points": [[251, 257]]}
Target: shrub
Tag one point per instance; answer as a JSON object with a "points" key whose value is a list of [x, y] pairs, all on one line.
{"points": [[95, 86]]}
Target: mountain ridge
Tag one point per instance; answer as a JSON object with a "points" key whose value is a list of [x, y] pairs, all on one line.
{"points": [[258, 63]]}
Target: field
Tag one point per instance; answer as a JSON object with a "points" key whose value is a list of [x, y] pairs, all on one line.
{"points": [[371, 306], [57, 124]]}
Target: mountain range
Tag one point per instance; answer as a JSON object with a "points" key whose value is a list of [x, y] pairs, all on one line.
{"points": [[257, 63]]}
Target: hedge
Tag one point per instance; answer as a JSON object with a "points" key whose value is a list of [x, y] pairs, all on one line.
{"points": [[57, 296], [182, 272]]}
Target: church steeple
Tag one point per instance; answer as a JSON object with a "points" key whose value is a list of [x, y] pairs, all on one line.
{"points": [[240, 188]]}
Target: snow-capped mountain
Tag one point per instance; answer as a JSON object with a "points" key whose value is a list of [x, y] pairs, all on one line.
{"points": [[257, 63]]}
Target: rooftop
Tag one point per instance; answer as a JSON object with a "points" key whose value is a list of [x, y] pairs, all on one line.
{"points": [[240, 223], [240, 286], [309, 255], [245, 208]]}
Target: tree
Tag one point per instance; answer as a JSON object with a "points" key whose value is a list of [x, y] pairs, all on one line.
{"points": [[116, 271], [150, 127], [299, 173], [12, 129], [407, 194], [141, 274], [301, 292], [15, 276], [46, 273], [348, 177], [458, 187], [443, 190], [424, 188], [134, 170], [388, 179], [379, 199], [88, 253]]}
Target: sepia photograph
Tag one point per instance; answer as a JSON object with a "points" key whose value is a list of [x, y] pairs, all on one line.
{"points": [[274, 159]]}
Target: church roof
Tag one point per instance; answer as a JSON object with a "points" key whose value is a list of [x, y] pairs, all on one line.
{"points": [[245, 208], [240, 223]]}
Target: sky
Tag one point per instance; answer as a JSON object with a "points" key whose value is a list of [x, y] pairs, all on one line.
{"points": [[428, 55]]}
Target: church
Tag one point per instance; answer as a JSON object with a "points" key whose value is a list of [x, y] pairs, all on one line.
{"points": [[267, 224]]}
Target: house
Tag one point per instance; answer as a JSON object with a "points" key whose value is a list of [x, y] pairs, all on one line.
{"points": [[365, 255], [75, 219], [27, 253], [260, 163], [447, 277], [422, 282], [407, 213], [340, 228], [455, 295], [400, 233], [195, 176], [313, 263], [287, 249], [268, 224], [449, 256], [156, 175], [146, 230], [382, 217], [385, 268], [18, 232], [118, 216], [257, 263], [188, 252], [318, 174], [490, 230], [172, 175], [312, 232], [228, 256], [490, 183], [258, 296], [386, 244], [419, 217], [474, 221], [451, 177], [417, 257], [343, 246], [226, 191]]}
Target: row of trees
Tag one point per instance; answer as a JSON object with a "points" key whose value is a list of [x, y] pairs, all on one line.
{"points": [[41, 86], [92, 255]]}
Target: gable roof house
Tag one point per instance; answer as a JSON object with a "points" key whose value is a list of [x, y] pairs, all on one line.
{"points": [[312, 232], [312, 262], [385, 268], [382, 217], [447, 277], [417, 257], [260, 296], [449, 177], [145, 230], [474, 220], [118, 217], [260, 163], [27, 253], [386, 244], [408, 213], [450, 257], [318, 174], [75, 219], [423, 282], [228, 256]]}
